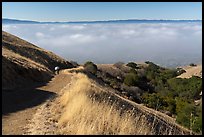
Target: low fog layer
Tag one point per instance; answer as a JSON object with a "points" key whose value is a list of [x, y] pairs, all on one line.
{"points": [[167, 44]]}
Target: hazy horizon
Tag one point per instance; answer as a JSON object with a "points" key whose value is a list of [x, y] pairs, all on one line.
{"points": [[167, 44], [119, 19]]}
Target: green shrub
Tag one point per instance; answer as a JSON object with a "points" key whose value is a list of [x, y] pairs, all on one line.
{"points": [[154, 100], [197, 124], [171, 105], [184, 111], [147, 62], [114, 83], [168, 73], [131, 79], [180, 71], [88, 63], [152, 66], [188, 89], [90, 67], [150, 75], [197, 121], [192, 64], [132, 65], [166, 87], [132, 71]]}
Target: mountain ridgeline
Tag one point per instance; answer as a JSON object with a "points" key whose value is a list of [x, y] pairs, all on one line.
{"points": [[15, 21]]}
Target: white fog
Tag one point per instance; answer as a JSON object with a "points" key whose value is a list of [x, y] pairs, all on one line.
{"points": [[167, 44]]}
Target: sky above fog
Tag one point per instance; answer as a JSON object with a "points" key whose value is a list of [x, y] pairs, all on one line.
{"points": [[77, 11], [167, 44]]}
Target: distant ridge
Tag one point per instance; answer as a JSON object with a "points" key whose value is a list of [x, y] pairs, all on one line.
{"points": [[15, 21]]}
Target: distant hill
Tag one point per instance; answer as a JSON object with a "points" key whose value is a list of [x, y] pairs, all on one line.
{"points": [[23, 62], [15, 21]]}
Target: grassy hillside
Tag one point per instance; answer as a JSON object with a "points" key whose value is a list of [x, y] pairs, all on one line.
{"points": [[159, 88], [24, 63], [86, 107]]}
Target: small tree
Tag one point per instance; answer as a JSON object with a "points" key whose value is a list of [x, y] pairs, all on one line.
{"points": [[192, 64], [154, 100], [147, 62], [132, 65], [90, 67]]}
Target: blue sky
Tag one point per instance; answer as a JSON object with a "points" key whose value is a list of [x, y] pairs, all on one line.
{"points": [[77, 11]]}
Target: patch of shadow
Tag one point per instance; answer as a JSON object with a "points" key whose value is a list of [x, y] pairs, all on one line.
{"points": [[16, 100]]}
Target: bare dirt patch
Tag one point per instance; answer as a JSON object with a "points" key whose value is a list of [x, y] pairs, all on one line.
{"points": [[191, 71]]}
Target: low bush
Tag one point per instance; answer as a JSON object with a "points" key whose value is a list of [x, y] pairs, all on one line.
{"points": [[90, 67], [132, 65], [184, 111], [192, 64], [180, 71], [188, 89], [154, 100], [131, 79]]}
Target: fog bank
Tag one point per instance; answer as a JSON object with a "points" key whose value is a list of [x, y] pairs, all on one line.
{"points": [[167, 44]]}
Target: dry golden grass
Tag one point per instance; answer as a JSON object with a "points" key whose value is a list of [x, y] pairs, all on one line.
{"points": [[83, 107], [24, 62], [83, 115]]}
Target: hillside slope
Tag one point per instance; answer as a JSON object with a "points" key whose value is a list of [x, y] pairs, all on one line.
{"points": [[85, 107], [191, 71], [24, 63], [73, 102]]}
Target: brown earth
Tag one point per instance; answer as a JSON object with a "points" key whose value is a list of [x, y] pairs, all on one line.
{"points": [[191, 71], [24, 103]]}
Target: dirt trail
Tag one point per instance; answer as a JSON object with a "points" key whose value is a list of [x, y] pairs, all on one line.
{"points": [[40, 119], [43, 122], [15, 123]]}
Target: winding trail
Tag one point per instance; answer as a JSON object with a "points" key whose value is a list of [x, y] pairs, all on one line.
{"points": [[40, 119], [15, 123]]}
